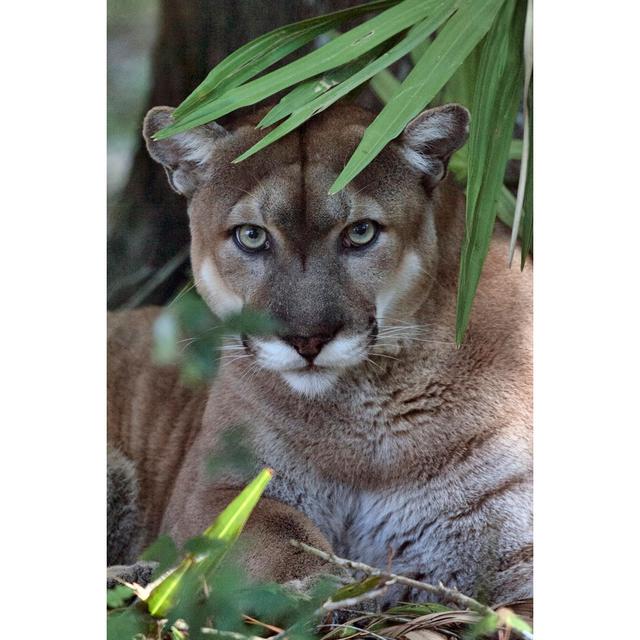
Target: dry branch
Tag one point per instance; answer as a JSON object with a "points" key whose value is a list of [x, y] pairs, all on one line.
{"points": [[451, 594]]}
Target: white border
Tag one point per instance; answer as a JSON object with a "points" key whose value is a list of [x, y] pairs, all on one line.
{"points": [[53, 292], [52, 318], [587, 235]]}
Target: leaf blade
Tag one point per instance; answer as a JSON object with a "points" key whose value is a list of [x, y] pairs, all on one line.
{"points": [[412, 39], [341, 50], [497, 94], [225, 529], [439, 62], [264, 51]]}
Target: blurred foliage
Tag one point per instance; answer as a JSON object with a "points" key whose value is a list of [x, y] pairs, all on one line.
{"points": [[189, 335], [233, 455], [201, 591]]}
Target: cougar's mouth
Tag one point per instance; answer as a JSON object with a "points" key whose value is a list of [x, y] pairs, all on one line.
{"points": [[315, 374]]}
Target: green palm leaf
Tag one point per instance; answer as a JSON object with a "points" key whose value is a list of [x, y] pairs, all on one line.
{"points": [[343, 49], [443, 56], [259, 54], [416, 35], [497, 94], [309, 90]]}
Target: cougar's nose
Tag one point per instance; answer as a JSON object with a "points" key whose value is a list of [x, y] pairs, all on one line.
{"points": [[310, 346]]}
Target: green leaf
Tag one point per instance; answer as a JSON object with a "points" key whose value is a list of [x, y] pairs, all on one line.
{"points": [[231, 521], [307, 91], [225, 529], [527, 211], [418, 52], [124, 625], [505, 205], [515, 149], [343, 49], [163, 551], [439, 62], [385, 85], [118, 596], [259, 54], [165, 338], [484, 627], [461, 86], [497, 93], [418, 609], [163, 597], [356, 588], [176, 634], [187, 334], [516, 622], [232, 454], [250, 321], [412, 39]]}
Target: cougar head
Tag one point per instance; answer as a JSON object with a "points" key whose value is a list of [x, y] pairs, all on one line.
{"points": [[337, 271]]}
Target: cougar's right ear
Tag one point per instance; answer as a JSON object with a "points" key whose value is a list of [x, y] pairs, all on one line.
{"points": [[185, 155], [432, 137]]}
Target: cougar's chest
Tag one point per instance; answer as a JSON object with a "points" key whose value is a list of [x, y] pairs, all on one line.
{"points": [[369, 526]]}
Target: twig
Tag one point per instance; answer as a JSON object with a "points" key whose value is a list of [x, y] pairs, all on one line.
{"points": [[440, 589], [250, 620], [232, 635], [362, 632], [452, 594]]}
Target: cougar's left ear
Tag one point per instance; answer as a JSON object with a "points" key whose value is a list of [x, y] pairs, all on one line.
{"points": [[184, 156], [430, 139]]}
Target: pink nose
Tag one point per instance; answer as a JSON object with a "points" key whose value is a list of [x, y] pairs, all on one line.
{"points": [[309, 347]]}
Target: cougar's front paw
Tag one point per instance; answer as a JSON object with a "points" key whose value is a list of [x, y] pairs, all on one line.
{"points": [[140, 573]]}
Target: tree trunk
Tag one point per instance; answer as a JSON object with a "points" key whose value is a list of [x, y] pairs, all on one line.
{"points": [[149, 233]]}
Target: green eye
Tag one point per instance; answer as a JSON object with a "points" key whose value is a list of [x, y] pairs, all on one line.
{"points": [[361, 233], [250, 237]]}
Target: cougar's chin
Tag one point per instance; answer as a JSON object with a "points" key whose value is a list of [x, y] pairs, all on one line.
{"points": [[310, 382]]}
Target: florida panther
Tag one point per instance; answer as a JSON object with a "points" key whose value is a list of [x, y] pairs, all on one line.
{"points": [[383, 435]]}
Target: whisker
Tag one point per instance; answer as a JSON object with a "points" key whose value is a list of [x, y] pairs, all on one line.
{"points": [[184, 291], [392, 330], [383, 355], [404, 322], [375, 364], [430, 275], [252, 368], [433, 340], [411, 338], [233, 358]]}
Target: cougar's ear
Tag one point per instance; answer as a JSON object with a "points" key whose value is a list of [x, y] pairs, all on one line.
{"points": [[430, 139], [185, 155]]}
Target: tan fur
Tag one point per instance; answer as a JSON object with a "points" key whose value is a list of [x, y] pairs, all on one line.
{"points": [[422, 448]]}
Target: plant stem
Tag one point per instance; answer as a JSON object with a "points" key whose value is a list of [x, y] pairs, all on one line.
{"points": [[231, 635], [452, 594]]}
